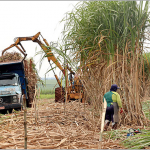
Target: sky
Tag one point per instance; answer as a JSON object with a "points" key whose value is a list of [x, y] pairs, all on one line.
{"points": [[26, 18]]}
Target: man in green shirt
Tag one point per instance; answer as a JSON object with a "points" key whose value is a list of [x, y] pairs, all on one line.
{"points": [[113, 104]]}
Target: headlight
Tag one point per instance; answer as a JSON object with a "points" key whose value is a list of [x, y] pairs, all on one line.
{"points": [[15, 99]]}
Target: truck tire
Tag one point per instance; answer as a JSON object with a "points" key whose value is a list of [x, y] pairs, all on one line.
{"points": [[28, 103], [59, 95]]}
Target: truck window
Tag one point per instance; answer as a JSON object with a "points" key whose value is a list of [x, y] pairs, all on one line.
{"points": [[8, 80]]}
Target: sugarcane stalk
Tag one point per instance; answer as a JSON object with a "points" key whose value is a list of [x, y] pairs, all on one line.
{"points": [[102, 123], [25, 124], [35, 105]]}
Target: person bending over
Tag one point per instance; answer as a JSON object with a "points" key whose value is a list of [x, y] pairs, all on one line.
{"points": [[113, 104]]}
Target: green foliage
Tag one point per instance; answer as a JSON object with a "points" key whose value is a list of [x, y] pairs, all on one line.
{"points": [[147, 64], [59, 53], [114, 23], [146, 108], [138, 141], [142, 140]]}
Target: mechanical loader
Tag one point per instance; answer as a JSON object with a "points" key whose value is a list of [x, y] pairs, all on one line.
{"points": [[74, 89]]}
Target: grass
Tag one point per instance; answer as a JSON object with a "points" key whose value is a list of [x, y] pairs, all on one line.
{"points": [[47, 91], [146, 108], [138, 141], [47, 96], [116, 134]]}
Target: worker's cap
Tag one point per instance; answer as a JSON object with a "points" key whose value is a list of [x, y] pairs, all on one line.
{"points": [[114, 87]]}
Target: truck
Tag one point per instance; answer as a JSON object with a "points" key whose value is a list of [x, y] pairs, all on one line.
{"points": [[13, 85]]}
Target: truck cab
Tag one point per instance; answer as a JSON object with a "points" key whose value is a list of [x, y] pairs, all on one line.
{"points": [[13, 85]]}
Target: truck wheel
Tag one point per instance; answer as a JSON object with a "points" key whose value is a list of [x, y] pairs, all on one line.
{"points": [[21, 99], [28, 103], [9, 111]]}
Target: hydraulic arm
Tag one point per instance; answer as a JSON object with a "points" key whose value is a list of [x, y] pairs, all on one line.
{"points": [[47, 50], [35, 39]]}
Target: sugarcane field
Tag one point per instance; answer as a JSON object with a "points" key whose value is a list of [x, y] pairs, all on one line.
{"points": [[95, 90]]}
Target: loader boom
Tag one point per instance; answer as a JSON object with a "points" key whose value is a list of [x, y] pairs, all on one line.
{"points": [[47, 50]]}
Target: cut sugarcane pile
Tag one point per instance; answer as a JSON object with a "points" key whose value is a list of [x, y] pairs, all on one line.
{"points": [[13, 56], [57, 126]]}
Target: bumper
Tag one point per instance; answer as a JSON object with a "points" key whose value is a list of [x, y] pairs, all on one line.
{"points": [[10, 106]]}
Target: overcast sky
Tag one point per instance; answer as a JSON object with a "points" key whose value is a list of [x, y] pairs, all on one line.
{"points": [[26, 18]]}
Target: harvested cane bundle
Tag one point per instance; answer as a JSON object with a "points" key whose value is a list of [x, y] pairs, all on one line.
{"points": [[30, 71], [14, 56]]}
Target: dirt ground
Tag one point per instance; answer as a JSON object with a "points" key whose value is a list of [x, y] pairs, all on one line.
{"points": [[55, 126]]}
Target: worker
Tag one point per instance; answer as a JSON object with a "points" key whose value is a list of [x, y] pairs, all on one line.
{"points": [[113, 104], [76, 78]]}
